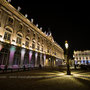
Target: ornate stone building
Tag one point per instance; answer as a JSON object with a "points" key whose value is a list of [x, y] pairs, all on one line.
{"points": [[23, 43], [82, 57]]}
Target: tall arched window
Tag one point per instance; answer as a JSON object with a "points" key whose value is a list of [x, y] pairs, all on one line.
{"points": [[33, 44], [27, 41], [19, 38], [7, 35]]}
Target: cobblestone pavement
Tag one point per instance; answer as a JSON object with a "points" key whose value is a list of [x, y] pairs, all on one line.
{"points": [[45, 79]]}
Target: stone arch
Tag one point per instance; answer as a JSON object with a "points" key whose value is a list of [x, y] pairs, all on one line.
{"points": [[19, 33], [27, 38], [9, 29]]}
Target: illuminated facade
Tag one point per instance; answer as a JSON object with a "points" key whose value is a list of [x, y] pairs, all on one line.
{"points": [[24, 44], [82, 57]]}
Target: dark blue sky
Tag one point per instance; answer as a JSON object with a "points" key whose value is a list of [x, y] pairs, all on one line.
{"points": [[66, 21]]}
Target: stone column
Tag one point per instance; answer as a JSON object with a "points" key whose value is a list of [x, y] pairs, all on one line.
{"points": [[22, 57], [12, 51], [36, 55], [30, 57], [41, 59], [44, 59]]}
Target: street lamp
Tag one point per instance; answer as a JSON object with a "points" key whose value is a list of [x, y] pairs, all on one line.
{"points": [[68, 67]]}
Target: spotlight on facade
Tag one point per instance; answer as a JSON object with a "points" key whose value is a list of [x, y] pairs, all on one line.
{"points": [[45, 32], [19, 8], [9, 1], [40, 28], [26, 15], [36, 25], [32, 20], [66, 45]]}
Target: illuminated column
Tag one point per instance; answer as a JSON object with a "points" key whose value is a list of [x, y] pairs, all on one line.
{"points": [[44, 59], [41, 59], [75, 62], [30, 57], [54, 62], [85, 60], [12, 51], [22, 57], [1, 46], [36, 54]]}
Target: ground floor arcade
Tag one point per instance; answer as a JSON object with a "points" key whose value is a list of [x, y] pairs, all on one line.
{"points": [[18, 57]]}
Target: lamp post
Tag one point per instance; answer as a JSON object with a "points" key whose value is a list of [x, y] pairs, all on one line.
{"points": [[68, 67]]}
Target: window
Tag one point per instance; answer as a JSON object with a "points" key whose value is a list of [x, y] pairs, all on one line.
{"points": [[38, 46], [0, 12], [47, 50], [27, 38], [28, 31], [42, 49], [9, 30], [38, 39], [33, 44], [7, 36], [18, 40], [42, 41], [20, 27], [27, 44], [33, 34]]}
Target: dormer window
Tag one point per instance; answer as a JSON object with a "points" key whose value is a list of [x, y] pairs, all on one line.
{"points": [[20, 26], [10, 20], [28, 31]]}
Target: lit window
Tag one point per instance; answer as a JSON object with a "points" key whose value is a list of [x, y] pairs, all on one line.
{"points": [[7, 36]]}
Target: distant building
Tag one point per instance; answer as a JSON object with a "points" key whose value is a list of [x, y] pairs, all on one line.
{"points": [[22, 43], [82, 57]]}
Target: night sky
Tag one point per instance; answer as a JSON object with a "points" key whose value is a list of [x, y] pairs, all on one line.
{"points": [[65, 21]]}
